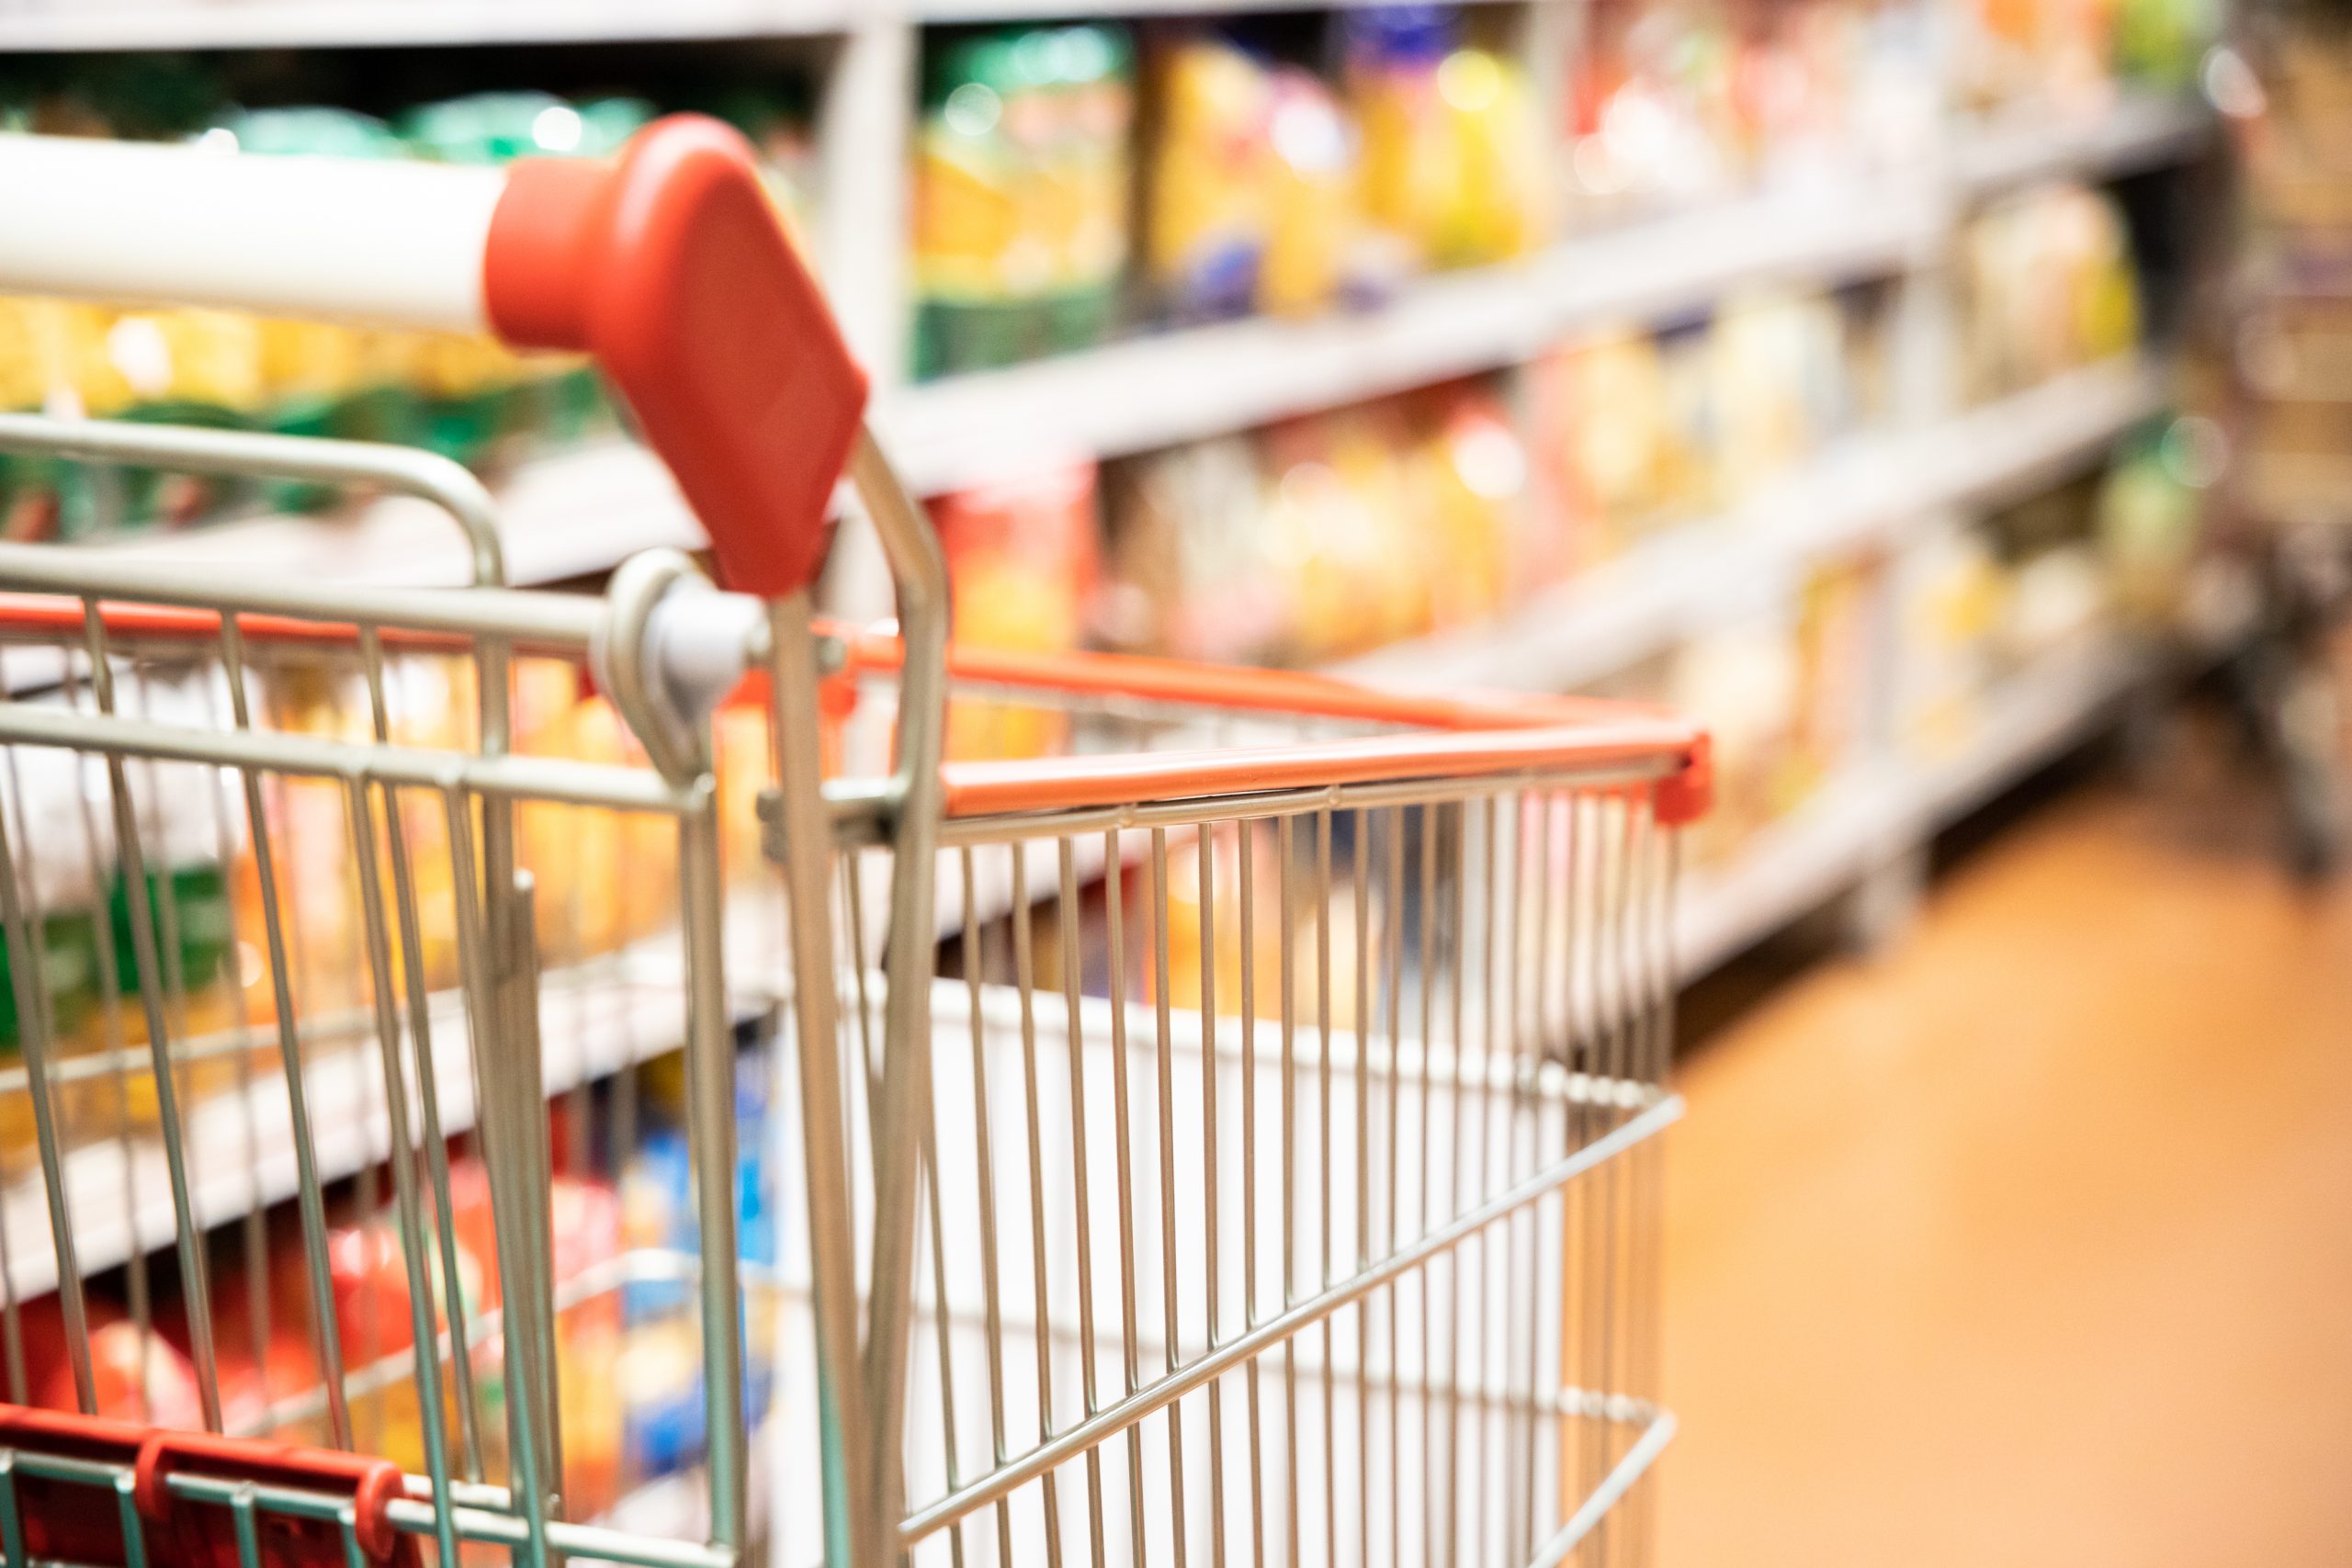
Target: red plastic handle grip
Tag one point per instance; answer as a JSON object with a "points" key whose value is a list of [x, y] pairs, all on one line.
{"points": [[671, 268], [67, 1521]]}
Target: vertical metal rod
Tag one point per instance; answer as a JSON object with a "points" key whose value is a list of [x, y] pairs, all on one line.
{"points": [[984, 1173], [1534, 1295], [23, 976], [1592, 859], [252, 1228], [1246, 835], [1496, 1092], [1165, 1087], [131, 864], [1360, 869], [175, 978], [1285, 854], [1069, 914], [1025, 980], [1426, 1198], [1462, 1092], [426, 1365], [1619, 1038], [710, 1089], [1325, 1157], [1213, 1227], [953, 1467], [420, 1029], [920, 572], [527, 1461], [852, 1521], [310, 1199], [1393, 929], [1131, 1365], [116, 1036]]}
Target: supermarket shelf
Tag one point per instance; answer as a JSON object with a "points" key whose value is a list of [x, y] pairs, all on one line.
{"points": [[2043, 711], [1696, 576], [2134, 134], [2039, 713], [579, 513], [599, 1018], [1862, 818], [561, 516], [58, 25], [1181, 385], [1792, 866]]}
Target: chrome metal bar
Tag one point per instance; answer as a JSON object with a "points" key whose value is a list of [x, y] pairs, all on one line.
{"points": [[1164, 1095], [1068, 910], [1024, 979], [852, 1535], [1607, 1493], [920, 572], [34, 1040], [309, 1199], [1196, 811], [984, 1194], [131, 865], [402, 1153], [1130, 1366], [408, 470], [503, 778], [566, 623], [710, 1088], [1300, 1315]]}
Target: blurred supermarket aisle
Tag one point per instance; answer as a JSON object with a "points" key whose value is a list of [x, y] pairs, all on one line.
{"points": [[2015, 1246]]}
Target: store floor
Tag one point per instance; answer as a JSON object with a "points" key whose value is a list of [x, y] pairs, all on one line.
{"points": [[2030, 1240]]}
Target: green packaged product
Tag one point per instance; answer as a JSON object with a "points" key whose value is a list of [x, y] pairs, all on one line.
{"points": [[1023, 165]]}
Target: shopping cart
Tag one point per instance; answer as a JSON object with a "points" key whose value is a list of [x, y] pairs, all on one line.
{"points": [[1229, 1136]]}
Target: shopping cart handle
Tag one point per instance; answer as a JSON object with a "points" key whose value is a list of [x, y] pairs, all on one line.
{"points": [[67, 1512], [672, 268], [669, 265]]}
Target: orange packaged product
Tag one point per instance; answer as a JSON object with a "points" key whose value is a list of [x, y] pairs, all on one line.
{"points": [[1021, 565]]}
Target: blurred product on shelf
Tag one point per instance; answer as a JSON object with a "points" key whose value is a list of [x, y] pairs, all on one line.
{"points": [[2046, 285], [1638, 431], [627, 1346], [1266, 189], [664, 1424], [1022, 567], [1322, 536], [1987, 604], [2073, 56], [1452, 153], [204, 900], [462, 396], [1023, 162], [1778, 684], [1688, 99]]}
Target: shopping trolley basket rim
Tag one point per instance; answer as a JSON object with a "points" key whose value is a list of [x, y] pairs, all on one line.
{"points": [[1437, 737]]}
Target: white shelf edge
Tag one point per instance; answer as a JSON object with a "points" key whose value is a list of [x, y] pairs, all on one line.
{"points": [[2137, 131], [1792, 865], [1803, 861], [622, 1010], [1207, 380]]}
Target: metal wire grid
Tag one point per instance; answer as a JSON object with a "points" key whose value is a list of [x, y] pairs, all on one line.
{"points": [[1370, 1279], [1516, 927], [362, 949]]}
